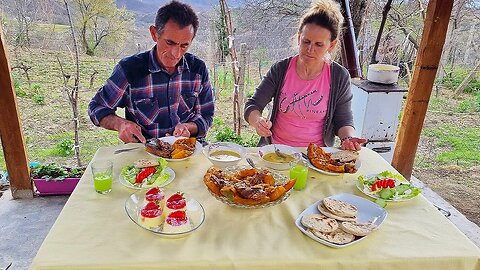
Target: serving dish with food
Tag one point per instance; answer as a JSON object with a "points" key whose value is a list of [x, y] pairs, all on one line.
{"points": [[175, 216], [387, 186], [332, 161], [340, 220], [146, 173], [278, 156], [245, 187], [224, 154], [173, 148]]}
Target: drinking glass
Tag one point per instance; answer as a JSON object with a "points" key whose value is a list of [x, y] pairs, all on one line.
{"points": [[102, 176], [299, 172]]}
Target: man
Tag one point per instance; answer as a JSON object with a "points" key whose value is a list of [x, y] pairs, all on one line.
{"points": [[165, 91]]}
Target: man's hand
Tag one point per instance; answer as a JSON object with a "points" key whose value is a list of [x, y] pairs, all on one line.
{"points": [[130, 132], [181, 130], [354, 144]]}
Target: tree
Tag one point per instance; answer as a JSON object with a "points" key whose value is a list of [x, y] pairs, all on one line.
{"points": [[100, 21], [72, 92], [24, 19]]}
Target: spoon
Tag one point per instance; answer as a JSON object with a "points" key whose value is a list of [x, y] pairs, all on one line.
{"points": [[250, 161], [280, 154]]}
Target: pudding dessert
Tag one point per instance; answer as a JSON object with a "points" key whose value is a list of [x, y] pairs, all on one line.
{"points": [[155, 195], [176, 202], [176, 222], [150, 216]]}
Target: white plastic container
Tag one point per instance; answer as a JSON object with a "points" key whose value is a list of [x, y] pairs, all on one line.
{"points": [[383, 73]]}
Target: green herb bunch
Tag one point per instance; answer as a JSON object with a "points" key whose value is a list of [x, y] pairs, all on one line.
{"points": [[55, 172]]}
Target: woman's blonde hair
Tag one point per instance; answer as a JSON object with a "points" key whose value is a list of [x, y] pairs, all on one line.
{"points": [[324, 13]]}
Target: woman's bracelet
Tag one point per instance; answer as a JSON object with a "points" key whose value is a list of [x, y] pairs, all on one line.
{"points": [[345, 138]]}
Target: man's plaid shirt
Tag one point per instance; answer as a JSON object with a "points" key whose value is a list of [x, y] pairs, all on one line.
{"points": [[158, 101]]}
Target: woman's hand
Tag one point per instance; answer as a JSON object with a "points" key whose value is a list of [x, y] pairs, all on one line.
{"points": [[263, 126], [352, 143]]}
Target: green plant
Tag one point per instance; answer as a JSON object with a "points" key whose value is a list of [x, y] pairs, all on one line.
{"points": [[36, 87], [64, 148], [464, 106], [226, 134], [17, 85], [55, 172], [38, 99], [217, 121]]}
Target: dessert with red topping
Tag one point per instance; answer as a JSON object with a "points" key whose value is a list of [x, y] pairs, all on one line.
{"points": [[174, 203], [155, 195], [176, 222], [150, 216]]}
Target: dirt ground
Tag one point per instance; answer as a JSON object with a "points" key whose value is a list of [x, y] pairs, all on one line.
{"points": [[459, 186]]}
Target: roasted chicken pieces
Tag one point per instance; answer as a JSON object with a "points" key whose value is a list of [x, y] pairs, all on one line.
{"points": [[247, 186], [323, 161]]}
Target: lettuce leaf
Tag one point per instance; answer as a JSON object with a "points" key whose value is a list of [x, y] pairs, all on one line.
{"points": [[129, 173], [389, 174]]}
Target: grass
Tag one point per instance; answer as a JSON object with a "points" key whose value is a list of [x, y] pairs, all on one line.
{"points": [[462, 145]]}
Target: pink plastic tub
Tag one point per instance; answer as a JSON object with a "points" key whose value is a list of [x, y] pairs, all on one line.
{"points": [[52, 187]]}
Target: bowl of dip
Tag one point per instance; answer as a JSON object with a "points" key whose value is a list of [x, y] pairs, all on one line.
{"points": [[276, 161], [224, 154]]}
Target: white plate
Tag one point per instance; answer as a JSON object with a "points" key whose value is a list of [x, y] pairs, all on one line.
{"points": [[367, 211], [195, 213], [171, 140], [375, 196], [168, 170], [358, 163]]}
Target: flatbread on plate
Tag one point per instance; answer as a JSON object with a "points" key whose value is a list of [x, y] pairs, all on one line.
{"points": [[320, 223]]}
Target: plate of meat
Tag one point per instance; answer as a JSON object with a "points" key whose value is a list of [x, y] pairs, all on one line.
{"points": [[173, 148], [332, 161]]}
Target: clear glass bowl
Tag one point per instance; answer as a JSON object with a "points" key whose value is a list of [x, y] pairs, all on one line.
{"points": [[279, 179], [195, 213]]}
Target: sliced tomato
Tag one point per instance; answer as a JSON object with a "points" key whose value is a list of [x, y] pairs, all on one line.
{"points": [[391, 183]]}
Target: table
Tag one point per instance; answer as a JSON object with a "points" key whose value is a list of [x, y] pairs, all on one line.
{"points": [[94, 232]]}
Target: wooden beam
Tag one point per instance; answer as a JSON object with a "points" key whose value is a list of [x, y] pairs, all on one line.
{"points": [[426, 65], [11, 133]]}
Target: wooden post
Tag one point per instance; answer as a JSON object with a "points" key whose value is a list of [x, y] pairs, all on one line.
{"points": [[426, 65], [11, 131], [467, 80]]}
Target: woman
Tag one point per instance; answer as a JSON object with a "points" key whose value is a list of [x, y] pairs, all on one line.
{"points": [[311, 94]]}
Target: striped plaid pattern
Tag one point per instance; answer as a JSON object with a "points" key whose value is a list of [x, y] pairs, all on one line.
{"points": [[159, 101]]}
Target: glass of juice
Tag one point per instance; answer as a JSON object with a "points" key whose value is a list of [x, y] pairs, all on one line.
{"points": [[299, 172], [102, 176]]}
